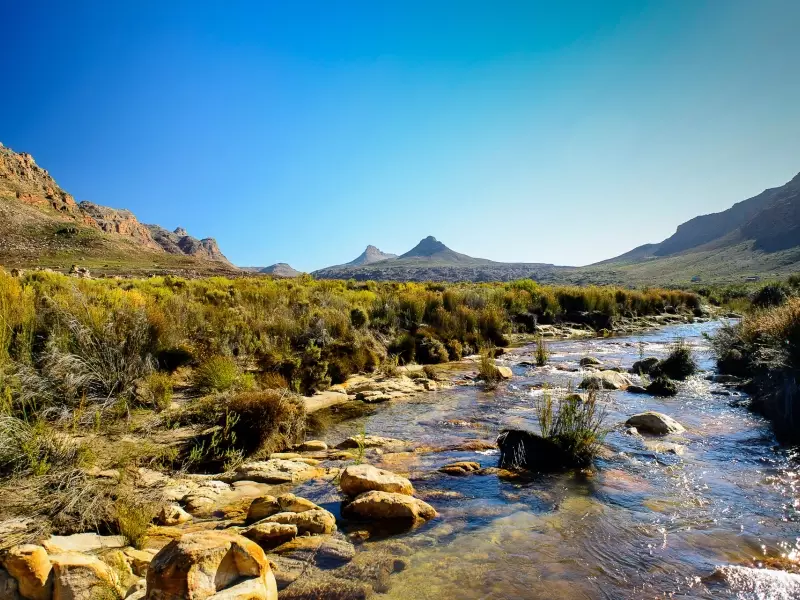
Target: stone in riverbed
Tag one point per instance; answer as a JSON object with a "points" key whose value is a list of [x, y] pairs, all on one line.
{"points": [[587, 361], [83, 542], [368, 441], [292, 503], [77, 576], [357, 479], [644, 366], [271, 535], [323, 551], [313, 446], [662, 386], [390, 506], [30, 566], [276, 470], [461, 468], [314, 521], [139, 560], [172, 514], [605, 380], [263, 507], [211, 564], [655, 423]]}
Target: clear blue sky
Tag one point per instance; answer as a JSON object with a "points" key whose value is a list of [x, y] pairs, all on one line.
{"points": [[303, 131]]}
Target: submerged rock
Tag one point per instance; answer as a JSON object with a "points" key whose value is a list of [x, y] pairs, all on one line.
{"points": [[662, 386], [655, 423], [587, 361], [357, 479], [461, 468], [644, 366], [392, 506]]}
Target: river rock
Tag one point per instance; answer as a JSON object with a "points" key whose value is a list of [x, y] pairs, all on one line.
{"points": [[211, 564], [605, 380], [644, 366], [77, 576], [589, 361], [30, 566], [323, 551], [357, 479], [262, 507], [461, 468], [292, 503], [83, 542], [368, 441], [393, 506], [139, 560], [662, 386], [172, 514], [504, 372], [314, 521], [271, 535], [655, 423], [275, 470], [313, 446]]}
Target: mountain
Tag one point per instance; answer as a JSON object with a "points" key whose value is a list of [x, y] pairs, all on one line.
{"points": [[41, 225], [369, 256], [431, 260], [280, 270], [759, 236]]}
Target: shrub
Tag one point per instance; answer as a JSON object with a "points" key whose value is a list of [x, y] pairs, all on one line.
{"points": [[429, 350], [132, 516], [217, 374], [573, 422], [156, 390], [487, 370], [773, 294], [171, 359], [359, 318], [404, 348], [542, 354], [455, 351], [679, 364]]}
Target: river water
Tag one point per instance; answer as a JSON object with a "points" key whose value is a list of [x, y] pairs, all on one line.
{"points": [[646, 523]]}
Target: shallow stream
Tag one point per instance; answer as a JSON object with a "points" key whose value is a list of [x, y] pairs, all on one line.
{"points": [[647, 523]]}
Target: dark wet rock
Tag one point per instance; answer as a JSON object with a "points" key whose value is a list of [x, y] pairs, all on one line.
{"points": [[720, 392], [461, 468], [655, 423], [368, 441], [590, 360], [662, 386], [733, 362], [521, 449], [636, 389], [646, 365], [323, 551]]}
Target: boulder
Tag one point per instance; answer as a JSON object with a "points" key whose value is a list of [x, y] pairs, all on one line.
{"points": [[77, 576], [270, 535], [357, 479], [313, 446], [137, 591], [368, 441], [275, 470], [139, 560], [655, 423], [262, 507], [323, 551], [296, 504], [636, 389], [211, 564], [314, 521], [390, 506], [172, 514], [644, 366], [505, 372], [520, 449], [83, 542], [30, 566], [605, 380], [590, 361], [461, 468]]}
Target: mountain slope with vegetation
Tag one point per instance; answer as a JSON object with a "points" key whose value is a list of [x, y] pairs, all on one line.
{"points": [[41, 225]]}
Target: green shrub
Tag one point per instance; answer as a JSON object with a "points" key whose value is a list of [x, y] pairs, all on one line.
{"points": [[773, 294], [573, 422], [217, 374], [541, 354], [133, 517], [487, 370], [679, 364], [156, 390], [358, 318], [429, 350], [455, 351], [404, 348]]}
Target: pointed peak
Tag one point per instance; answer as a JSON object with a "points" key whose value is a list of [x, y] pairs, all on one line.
{"points": [[180, 231]]}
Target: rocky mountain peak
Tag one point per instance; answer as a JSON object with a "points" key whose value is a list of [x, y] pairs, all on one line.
{"points": [[181, 232], [371, 255], [427, 247]]}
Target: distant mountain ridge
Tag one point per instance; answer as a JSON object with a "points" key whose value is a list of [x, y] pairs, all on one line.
{"points": [[370, 255], [280, 270]]}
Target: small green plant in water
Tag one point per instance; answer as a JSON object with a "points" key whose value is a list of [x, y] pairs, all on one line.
{"points": [[361, 440], [542, 353], [487, 370]]}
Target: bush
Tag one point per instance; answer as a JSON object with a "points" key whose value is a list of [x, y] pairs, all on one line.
{"points": [[679, 364], [359, 318], [217, 374], [156, 390], [487, 370], [542, 354], [573, 423], [133, 517], [430, 351], [662, 386], [773, 294], [455, 351]]}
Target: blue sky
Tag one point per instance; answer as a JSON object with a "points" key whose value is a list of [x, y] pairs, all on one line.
{"points": [[563, 132]]}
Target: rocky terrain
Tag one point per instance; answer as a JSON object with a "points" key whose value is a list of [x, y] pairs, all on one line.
{"points": [[42, 225]]}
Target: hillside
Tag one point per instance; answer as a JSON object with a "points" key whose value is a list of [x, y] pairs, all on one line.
{"points": [[431, 260], [41, 225], [280, 270], [370, 255], [759, 236]]}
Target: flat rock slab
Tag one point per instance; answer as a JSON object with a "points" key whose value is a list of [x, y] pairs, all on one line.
{"points": [[357, 479], [275, 470], [82, 542]]}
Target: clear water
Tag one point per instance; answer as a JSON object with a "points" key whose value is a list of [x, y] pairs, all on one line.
{"points": [[645, 524]]}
